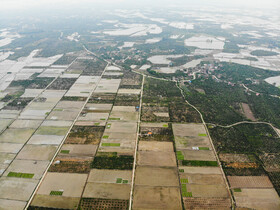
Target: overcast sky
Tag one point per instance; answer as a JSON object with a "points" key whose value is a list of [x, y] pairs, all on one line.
{"points": [[27, 4]]}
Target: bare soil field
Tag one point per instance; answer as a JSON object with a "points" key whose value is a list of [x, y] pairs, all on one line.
{"points": [[56, 202], [107, 191], [207, 155], [15, 135], [10, 148], [248, 112], [129, 91], [92, 116], [37, 152], [257, 199], [206, 179], [145, 197], [26, 124], [190, 129], [108, 86], [156, 176], [207, 203], [16, 188], [189, 142], [249, 182], [12, 204], [122, 127], [122, 136], [52, 130], [90, 123], [123, 116], [45, 139], [71, 184], [155, 146], [91, 107], [200, 170], [98, 203], [5, 160], [150, 158], [109, 176], [5, 123], [70, 105], [153, 125], [207, 191], [78, 150]]}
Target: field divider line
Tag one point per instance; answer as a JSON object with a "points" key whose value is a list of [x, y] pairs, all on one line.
{"points": [[59, 147], [33, 119], [136, 145]]}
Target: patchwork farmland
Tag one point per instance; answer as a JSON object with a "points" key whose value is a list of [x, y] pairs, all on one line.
{"points": [[101, 137]]}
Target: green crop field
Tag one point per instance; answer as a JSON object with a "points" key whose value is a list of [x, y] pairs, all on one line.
{"points": [[110, 144], [56, 192], [179, 155], [184, 181], [65, 151], [119, 180], [114, 118], [203, 148], [20, 175], [185, 193]]}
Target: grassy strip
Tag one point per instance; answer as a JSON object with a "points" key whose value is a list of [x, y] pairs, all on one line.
{"points": [[202, 134], [199, 163], [110, 144], [20, 175], [56, 192], [114, 118], [237, 190], [65, 151], [203, 148]]}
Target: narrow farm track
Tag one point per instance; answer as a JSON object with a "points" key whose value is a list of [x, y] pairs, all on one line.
{"points": [[247, 122]]}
